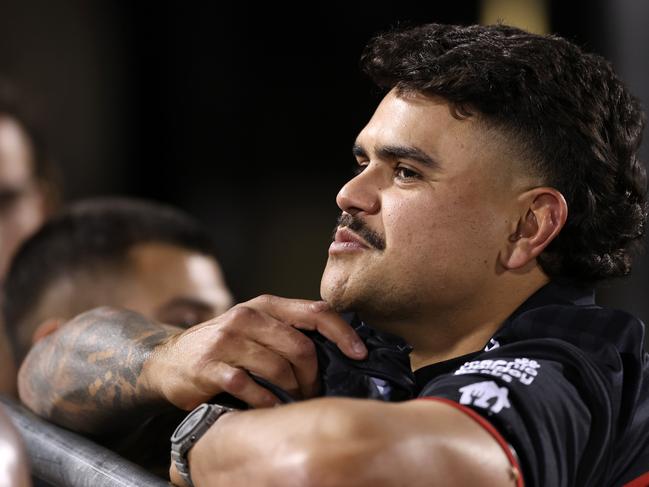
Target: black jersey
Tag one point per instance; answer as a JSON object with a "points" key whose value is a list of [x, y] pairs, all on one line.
{"points": [[566, 384]]}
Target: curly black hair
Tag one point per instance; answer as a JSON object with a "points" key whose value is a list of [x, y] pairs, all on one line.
{"points": [[570, 114]]}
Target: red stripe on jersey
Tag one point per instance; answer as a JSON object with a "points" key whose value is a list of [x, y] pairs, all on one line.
{"points": [[495, 434], [642, 481]]}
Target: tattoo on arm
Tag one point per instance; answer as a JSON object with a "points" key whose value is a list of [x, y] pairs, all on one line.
{"points": [[87, 375]]}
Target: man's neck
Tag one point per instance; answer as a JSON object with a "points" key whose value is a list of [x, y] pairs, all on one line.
{"points": [[443, 334]]}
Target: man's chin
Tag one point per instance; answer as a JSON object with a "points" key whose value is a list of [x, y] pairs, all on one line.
{"points": [[335, 299], [333, 290]]}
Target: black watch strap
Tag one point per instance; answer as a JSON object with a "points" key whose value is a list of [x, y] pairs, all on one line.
{"points": [[189, 431]]}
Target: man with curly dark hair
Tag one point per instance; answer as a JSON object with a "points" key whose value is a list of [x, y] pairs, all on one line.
{"points": [[497, 180]]}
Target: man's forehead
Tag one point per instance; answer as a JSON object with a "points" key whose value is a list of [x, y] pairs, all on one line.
{"points": [[413, 117], [418, 123], [412, 122]]}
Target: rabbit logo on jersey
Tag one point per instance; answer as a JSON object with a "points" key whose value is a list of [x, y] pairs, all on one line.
{"points": [[486, 395]]}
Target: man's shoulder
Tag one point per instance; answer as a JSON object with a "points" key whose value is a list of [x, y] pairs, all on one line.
{"points": [[602, 346], [565, 400], [601, 334], [597, 348], [557, 362], [569, 316]]}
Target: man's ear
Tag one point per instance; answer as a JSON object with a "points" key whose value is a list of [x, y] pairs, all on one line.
{"points": [[47, 327], [543, 214]]}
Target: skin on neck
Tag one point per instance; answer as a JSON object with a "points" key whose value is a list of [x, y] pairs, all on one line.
{"points": [[443, 334]]}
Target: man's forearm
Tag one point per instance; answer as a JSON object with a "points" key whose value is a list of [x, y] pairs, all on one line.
{"points": [[334, 442], [88, 375]]}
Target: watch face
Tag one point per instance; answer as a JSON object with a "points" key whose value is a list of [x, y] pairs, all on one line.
{"points": [[189, 423]]}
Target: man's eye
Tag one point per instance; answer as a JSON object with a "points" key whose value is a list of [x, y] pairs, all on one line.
{"points": [[182, 317], [406, 173], [359, 168]]}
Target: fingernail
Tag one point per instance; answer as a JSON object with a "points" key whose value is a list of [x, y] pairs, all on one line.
{"points": [[319, 306], [359, 348]]}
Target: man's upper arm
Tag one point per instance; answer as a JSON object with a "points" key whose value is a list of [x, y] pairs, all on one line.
{"points": [[470, 451]]}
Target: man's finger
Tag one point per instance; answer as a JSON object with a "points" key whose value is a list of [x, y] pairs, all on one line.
{"points": [[238, 383], [257, 342], [273, 367], [295, 347], [312, 315]]}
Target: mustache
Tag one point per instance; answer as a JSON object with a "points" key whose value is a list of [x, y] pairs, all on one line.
{"points": [[361, 229]]}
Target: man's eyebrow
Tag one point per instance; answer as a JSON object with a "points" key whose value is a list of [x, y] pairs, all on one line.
{"points": [[407, 152], [358, 150], [399, 152]]}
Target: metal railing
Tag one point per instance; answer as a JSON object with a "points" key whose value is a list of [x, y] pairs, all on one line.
{"points": [[62, 458]]}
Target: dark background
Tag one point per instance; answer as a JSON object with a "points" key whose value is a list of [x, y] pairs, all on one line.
{"points": [[242, 114]]}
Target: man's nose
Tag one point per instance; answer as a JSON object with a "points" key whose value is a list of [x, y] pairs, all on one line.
{"points": [[361, 193]]}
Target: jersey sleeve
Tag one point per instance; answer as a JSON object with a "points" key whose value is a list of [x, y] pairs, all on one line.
{"points": [[547, 400]]}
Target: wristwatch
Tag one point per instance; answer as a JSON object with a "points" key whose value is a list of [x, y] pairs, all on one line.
{"points": [[189, 431]]}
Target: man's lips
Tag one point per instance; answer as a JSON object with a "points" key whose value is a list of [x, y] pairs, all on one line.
{"points": [[355, 232], [346, 235], [346, 240]]}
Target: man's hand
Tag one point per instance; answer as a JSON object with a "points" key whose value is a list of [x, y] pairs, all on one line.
{"points": [[108, 369], [259, 337]]}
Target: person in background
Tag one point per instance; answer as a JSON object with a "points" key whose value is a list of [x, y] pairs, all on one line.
{"points": [[133, 254], [29, 192]]}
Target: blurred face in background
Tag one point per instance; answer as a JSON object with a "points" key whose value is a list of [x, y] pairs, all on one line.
{"points": [[22, 202], [163, 282], [22, 211], [172, 285]]}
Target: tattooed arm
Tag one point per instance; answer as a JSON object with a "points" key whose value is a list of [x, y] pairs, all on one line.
{"points": [[88, 375], [108, 369]]}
